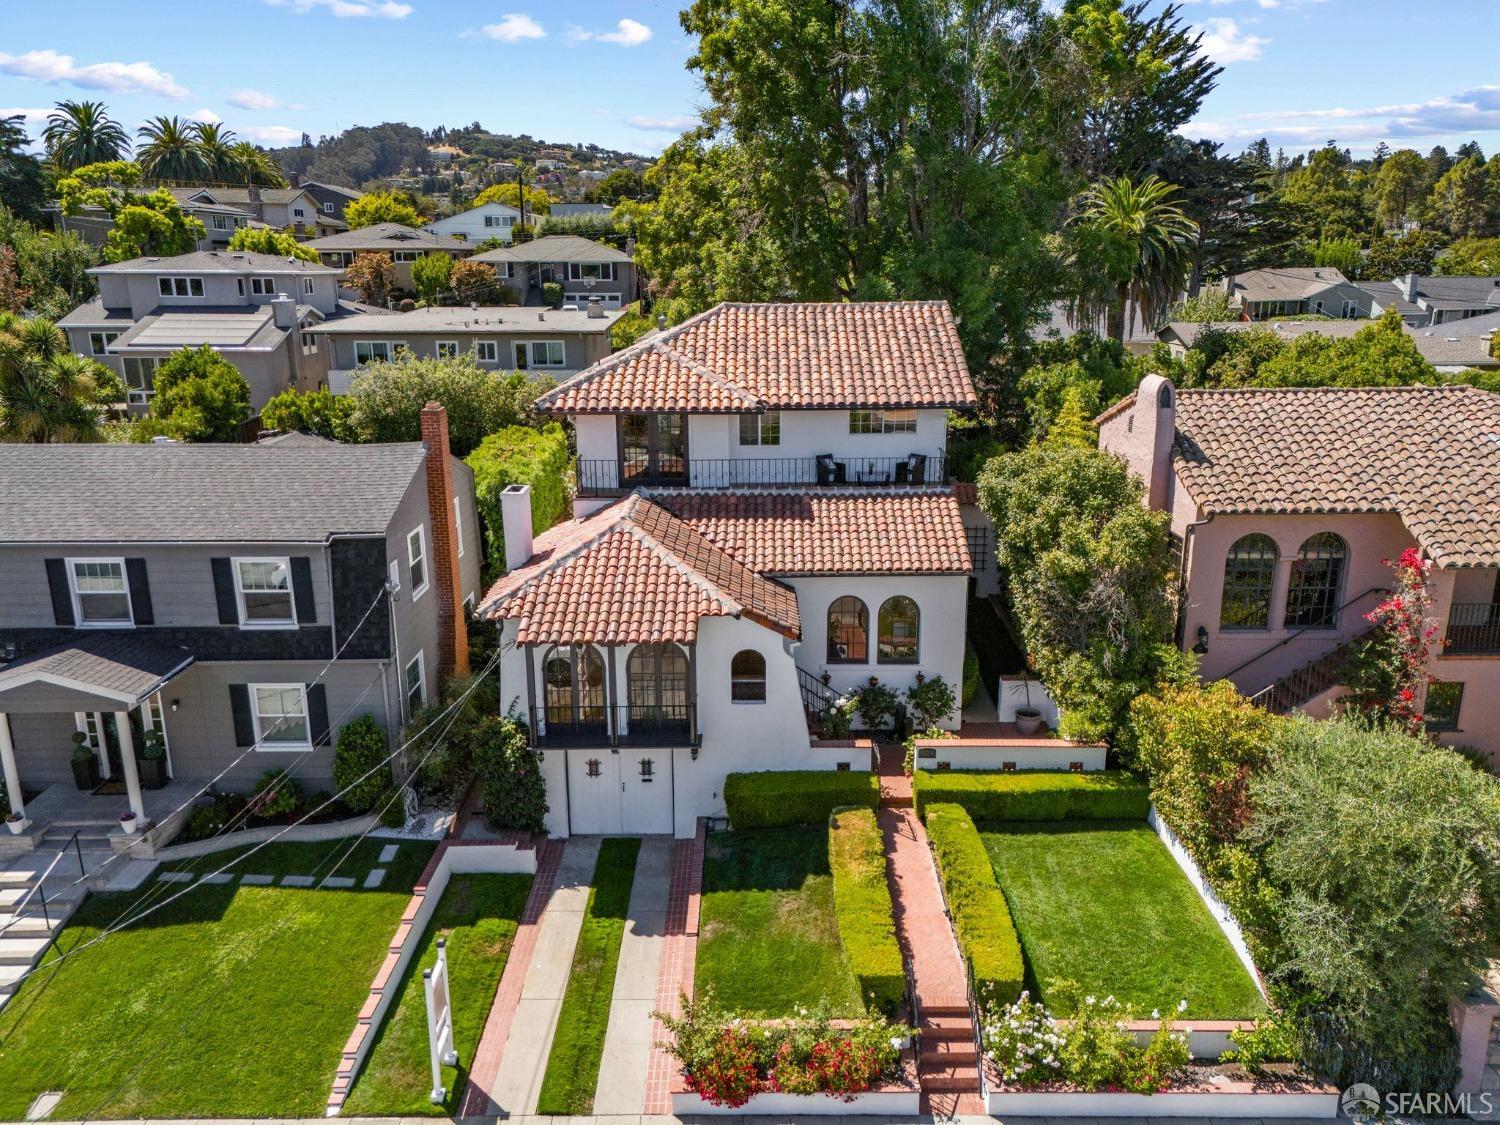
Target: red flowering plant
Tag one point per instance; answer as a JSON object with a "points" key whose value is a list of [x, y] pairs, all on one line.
{"points": [[1389, 672]]}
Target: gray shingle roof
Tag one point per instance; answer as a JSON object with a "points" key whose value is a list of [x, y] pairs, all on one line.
{"points": [[1440, 345], [1288, 283], [486, 318], [273, 493], [119, 663], [388, 236], [555, 248], [217, 261], [242, 195]]}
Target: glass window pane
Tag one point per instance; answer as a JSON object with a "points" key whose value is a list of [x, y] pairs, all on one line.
{"points": [[282, 715], [898, 631], [848, 631], [1316, 583], [1249, 570]]}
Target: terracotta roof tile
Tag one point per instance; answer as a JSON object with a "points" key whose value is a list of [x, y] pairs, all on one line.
{"points": [[739, 358], [1429, 454]]}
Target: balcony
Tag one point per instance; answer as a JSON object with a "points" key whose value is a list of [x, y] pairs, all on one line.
{"points": [[630, 725], [1473, 629], [604, 478]]}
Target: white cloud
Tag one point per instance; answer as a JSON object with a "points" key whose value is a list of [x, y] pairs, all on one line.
{"points": [[662, 124], [627, 33], [50, 66], [205, 115], [514, 27], [1226, 42], [349, 9], [272, 134], [258, 99]]}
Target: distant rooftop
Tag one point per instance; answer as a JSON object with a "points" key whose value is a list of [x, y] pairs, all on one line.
{"points": [[216, 261], [387, 236], [555, 248], [485, 318]]}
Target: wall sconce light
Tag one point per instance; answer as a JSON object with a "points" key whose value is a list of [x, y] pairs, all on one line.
{"points": [[175, 704], [1202, 646], [693, 753]]}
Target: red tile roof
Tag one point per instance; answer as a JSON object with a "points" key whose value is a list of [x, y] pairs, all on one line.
{"points": [[830, 532], [742, 358], [631, 573]]}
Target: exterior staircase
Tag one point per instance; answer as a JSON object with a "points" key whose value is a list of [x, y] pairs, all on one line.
{"points": [[1315, 677], [30, 917], [949, 1059]]}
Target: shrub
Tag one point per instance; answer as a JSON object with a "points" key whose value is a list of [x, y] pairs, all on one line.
{"points": [[862, 907], [931, 701], [981, 920], [510, 777], [390, 805], [552, 294], [909, 761], [319, 412], [275, 795], [213, 818], [781, 798], [875, 702], [837, 719], [360, 768], [1035, 794], [201, 396], [520, 455], [971, 676], [373, 275]]}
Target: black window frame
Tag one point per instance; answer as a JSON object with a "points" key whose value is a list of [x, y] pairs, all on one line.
{"points": [[916, 638], [1249, 575], [1449, 722], [862, 623], [747, 686], [1305, 598]]}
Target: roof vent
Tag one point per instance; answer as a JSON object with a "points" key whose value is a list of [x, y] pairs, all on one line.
{"points": [[661, 322], [162, 439], [541, 316]]}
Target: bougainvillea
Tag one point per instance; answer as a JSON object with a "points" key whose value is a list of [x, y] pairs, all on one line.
{"points": [[1389, 676]]}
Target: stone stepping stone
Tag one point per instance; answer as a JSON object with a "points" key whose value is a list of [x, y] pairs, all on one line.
{"points": [[257, 880], [220, 877], [297, 881], [374, 878], [176, 876], [338, 882], [388, 852]]}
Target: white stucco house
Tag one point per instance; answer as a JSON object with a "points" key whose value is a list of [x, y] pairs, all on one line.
{"points": [[478, 224], [763, 520]]}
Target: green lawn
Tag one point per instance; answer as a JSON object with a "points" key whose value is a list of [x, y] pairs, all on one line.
{"points": [[768, 942], [233, 1001], [1103, 903], [478, 915], [573, 1064]]}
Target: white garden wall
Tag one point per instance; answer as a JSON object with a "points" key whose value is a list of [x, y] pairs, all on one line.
{"points": [[1242, 1102]]}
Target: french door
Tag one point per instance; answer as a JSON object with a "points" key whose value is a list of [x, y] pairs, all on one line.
{"points": [[653, 449]]}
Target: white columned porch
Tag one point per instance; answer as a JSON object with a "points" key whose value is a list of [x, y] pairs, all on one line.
{"points": [[127, 756], [8, 761]]}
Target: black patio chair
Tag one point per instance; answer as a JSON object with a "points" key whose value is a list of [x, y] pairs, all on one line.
{"points": [[829, 470]]}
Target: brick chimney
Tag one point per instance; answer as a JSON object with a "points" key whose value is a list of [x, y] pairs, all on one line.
{"points": [[293, 179], [453, 637]]}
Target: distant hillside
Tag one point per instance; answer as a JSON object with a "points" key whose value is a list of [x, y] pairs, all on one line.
{"points": [[367, 153]]}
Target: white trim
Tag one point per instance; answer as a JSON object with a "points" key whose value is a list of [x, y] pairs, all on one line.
{"points": [[421, 664], [530, 364], [26, 679], [389, 346], [420, 532], [458, 525], [261, 742], [78, 621], [152, 712], [439, 345], [289, 622], [491, 346], [394, 575], [188, 279]]}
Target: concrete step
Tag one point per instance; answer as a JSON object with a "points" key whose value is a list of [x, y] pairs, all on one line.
{"points": [[944, 1051], [947, 1027], [22, 949], [14, 878], [10, 974], [9, 896], [27, 925]]}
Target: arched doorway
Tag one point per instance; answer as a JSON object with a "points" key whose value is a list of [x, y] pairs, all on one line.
{"points": [[573, 686], [656, 679]]}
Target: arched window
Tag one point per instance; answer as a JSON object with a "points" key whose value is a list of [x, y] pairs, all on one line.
{"points": [[747, 677], [848, 631], [899, 620], [1249, 570], [656, 678], [1317, 583], [573, 686]]}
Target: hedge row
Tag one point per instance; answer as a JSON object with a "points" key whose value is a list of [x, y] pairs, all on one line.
{"points": [[986, 934], [780, 798], [1035, 794], [520, 455], [862, 906]]}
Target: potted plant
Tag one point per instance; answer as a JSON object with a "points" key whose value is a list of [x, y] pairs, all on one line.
{"points": [[129, 822], [1028, 718], [16, 823], [153, 760], [85, 763]]}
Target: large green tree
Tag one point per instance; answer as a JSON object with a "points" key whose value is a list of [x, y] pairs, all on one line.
{"points": [[200, 396], [171, 150], [82, 133], [263, 240], [382, 207], [1467, 199], [216, 149], [145, 223], [22, 183], [52, 265], [47, 393], [1400, 185]]}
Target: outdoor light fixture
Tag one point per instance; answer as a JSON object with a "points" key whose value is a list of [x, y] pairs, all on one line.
{"points": [[174, 705], [1202, 646], [693, 752]]}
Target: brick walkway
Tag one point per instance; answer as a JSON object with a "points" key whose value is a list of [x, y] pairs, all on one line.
{"points": [[678, 956], [486, 1067], [895, 786]]}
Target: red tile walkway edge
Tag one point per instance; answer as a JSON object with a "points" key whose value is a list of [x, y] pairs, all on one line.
{"points": [[679, 955]]}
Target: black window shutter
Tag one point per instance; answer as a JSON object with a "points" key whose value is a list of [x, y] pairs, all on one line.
{"points": [[239, 703], [62, 594], [229, 606], [302, 591], [317, 713], [140, 591]]}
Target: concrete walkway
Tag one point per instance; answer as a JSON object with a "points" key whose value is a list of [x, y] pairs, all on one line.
{"points": [[627, 1042], [524, 1062]]}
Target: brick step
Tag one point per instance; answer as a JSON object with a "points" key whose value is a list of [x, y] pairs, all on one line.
{"points": [[943, 1006], [896, 802], [947, 1027], [942, 1051], [959, 1078]]}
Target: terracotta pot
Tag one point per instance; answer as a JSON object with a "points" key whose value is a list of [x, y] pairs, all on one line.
{"points": [[1028, 721]]}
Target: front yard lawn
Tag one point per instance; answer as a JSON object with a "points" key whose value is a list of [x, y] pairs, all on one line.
{"points": [[1102, 903], [232, 1001], [478, 915], [768, 942]]}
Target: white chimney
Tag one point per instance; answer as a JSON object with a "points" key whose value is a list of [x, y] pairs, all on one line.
{"points": [[515, 524], [596, 308], [283, 311], [1407, 283]]}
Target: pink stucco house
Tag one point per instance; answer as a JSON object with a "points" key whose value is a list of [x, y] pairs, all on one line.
{"points": [[1285, 504]]}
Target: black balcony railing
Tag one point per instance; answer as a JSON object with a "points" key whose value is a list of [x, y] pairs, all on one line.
{"points": [[626, 725], [606, 478], [1473, 627]]}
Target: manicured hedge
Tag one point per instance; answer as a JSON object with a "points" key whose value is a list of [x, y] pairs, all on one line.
{"points": [[986, 934], [781, 798], [1035, 794], [862, 905], [520, 455]]}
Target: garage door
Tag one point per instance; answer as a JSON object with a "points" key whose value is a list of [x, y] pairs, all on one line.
{"points": [[610, 300], [624, 794]]}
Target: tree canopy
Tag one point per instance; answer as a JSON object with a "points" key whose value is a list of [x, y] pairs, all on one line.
{"points": [[200, 396], [383, 207], [145, 223], [263, 240]]}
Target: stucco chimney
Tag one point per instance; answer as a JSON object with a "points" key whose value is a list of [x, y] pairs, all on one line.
{"points": [[515, 524], [283, 312], [1146, 445], [293, 179], [1407, 283], [453, 637]]}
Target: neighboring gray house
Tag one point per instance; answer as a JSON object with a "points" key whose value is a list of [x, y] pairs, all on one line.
{"points": [[251, 308], [566, 210], [291, 208], [403, 244], [243, 602], [1426, 302], [1294, 291], [220, 221], [558, 342], [332, 199], [584, 267], [1447, 351]]}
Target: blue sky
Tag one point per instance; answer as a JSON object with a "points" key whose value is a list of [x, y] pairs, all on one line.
{"points": [[611, 71]]}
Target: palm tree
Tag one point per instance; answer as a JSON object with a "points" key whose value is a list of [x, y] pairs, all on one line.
{"points": [[216, 145], [1152, 239], [46, 392], [80, 133], [255, 165], [171, 151]]}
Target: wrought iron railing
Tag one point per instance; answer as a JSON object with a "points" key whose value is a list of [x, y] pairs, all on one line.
{"points": [[623, 725], [38, 890], [1473, 628], [1328, 620], [817, 696], [1312, 679], [605, 477]]}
